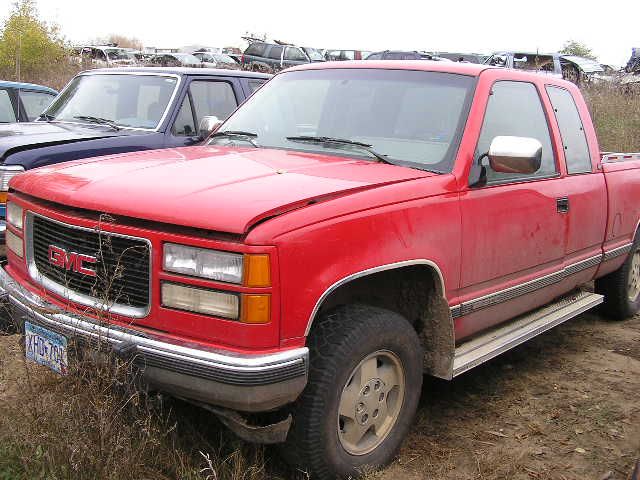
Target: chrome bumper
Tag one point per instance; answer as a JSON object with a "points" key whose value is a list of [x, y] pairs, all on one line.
{"points": [[249, 383], [3, 233]]}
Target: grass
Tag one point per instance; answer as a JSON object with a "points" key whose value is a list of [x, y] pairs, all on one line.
{"points": [[616, 116], [95, 423]]}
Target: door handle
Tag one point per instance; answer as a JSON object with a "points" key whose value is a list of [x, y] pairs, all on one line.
{"points": [[562, 204]]}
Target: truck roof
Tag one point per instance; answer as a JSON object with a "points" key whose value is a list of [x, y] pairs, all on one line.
{"points": [[471, 69], [191, 71]]}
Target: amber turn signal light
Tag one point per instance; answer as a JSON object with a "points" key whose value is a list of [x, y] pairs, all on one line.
{"points": [[256, 308], [257, 271]]}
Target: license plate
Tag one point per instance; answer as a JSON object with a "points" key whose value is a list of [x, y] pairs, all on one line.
{"points": [[46, 347]]}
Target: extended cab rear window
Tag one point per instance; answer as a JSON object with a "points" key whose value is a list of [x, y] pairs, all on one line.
{"points": [[574, 140]]}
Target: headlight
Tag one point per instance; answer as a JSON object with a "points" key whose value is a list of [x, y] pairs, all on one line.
{"points": [[7, 172], [205, 263], [14, 243], [14, 214], [200, 300]]}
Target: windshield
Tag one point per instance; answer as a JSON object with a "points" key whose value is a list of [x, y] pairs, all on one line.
{"points": [[137, 101], [119, 54], [413, 118]]}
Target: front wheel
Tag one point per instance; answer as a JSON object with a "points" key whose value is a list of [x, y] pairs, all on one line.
{"points": [[364, 385], [621, 289]]}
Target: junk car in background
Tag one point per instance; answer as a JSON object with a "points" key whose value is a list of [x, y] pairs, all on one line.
{"points": [[570, 67]]}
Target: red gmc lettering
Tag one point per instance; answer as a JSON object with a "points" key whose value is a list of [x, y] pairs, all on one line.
{"points": [[80, 268], [58, 257]]}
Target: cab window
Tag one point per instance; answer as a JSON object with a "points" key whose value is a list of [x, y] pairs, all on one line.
{"points": [[294, 54], [275, 53], [574, 140], [206, 98], [515, 109]]}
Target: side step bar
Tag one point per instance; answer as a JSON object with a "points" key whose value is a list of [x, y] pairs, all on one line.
{"points": [[480, 349]]}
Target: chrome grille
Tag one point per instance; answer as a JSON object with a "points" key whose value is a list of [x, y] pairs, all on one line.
{"points": [[123, 265]]}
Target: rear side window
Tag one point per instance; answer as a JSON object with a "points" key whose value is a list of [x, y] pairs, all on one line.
{"points": [[574, 140], [374, 56], [35, 103], [7, 114], [295, 54], [255, 49], [275, 52], [515, 109]]}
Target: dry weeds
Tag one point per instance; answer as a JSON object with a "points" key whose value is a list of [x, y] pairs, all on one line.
{"points": [[563, 407], [616, 116]]}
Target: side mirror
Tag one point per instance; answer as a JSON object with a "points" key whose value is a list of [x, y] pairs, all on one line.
{"points": [[208, 125], [515, 155]]}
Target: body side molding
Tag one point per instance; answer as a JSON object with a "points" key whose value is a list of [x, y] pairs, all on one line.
{"points": [[516, 291]]}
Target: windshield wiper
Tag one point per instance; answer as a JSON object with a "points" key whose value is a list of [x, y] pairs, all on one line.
{"points": [[46, 116], [247, 136], [98, 120], [343, 141]]}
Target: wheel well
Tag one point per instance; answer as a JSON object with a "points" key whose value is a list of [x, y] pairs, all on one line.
{"points": [[416, 293]]}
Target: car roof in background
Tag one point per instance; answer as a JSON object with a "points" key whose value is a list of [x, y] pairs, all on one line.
{"points": [[181, 71], [587, 64], [473, 69], [29, 86]]}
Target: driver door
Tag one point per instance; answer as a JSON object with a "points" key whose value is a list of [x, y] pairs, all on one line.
{"points": [[512, 230]]}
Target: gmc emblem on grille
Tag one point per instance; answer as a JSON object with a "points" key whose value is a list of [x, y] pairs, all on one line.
{"points": [[59, 257]]}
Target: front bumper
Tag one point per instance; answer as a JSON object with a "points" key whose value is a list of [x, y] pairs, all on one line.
{"points": [[247, 383]]}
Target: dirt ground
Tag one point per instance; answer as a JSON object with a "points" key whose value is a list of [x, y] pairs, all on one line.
{"points": [[565, 406]]}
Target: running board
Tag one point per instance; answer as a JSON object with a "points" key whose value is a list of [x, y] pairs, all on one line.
{"points": [[480, 349]]}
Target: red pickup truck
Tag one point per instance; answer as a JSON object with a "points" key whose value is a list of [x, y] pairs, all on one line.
{"points": [[348, 229]]}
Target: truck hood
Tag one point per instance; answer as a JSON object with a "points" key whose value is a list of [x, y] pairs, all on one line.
{"points": [[216, 188], [26, 136]]}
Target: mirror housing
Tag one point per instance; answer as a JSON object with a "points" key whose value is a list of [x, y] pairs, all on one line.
{"points": [[515, 155], [208, 125]]}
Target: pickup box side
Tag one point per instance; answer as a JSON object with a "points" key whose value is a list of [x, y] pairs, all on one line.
{"points": [[623, 186]]}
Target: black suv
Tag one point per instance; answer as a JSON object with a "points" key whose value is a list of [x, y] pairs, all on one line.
{"points": [[271, 57]]}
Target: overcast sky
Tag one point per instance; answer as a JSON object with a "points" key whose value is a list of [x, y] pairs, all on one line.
{"points": [[610, 28]]}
